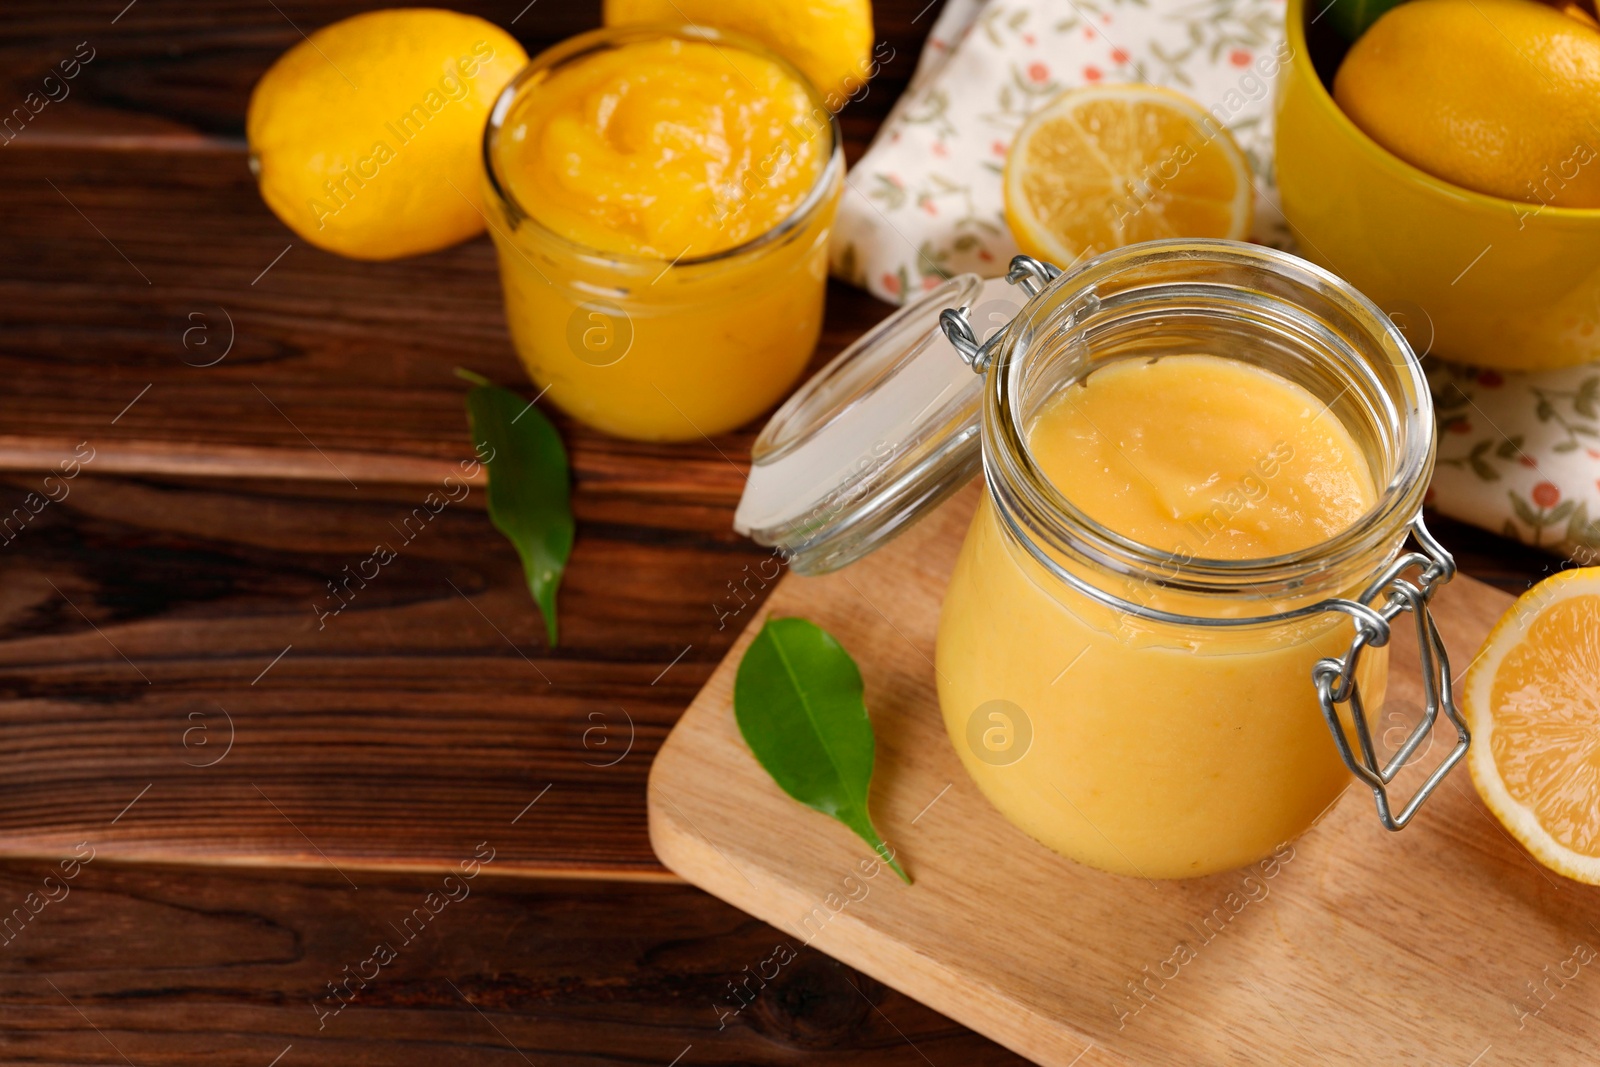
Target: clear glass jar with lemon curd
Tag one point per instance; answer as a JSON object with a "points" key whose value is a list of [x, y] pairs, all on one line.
{"points": [[660, 200], [1165, 636]]}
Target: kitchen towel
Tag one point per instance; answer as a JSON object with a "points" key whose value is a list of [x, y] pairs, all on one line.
{"points": [[1519, 453], [924, 202]]}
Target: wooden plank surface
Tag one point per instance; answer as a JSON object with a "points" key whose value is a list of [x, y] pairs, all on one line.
{"points": [[1360, 946], [138, 253], [144, 621], [179, 966], [139, 250]]}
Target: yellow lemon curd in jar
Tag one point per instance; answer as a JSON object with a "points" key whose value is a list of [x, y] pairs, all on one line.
{"points": [[1142, 747], [681, 177]]}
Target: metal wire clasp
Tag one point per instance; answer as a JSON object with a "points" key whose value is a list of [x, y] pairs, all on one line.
{"points": [[1336, 678], [1029, 273]]}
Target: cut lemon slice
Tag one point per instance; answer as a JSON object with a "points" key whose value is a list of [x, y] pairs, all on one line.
{"points": [[1103, 167], [1532, 700]]}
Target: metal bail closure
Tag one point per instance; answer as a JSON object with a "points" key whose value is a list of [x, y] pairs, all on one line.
{"points": [[1029, 273], [881, 435], [1336, 678]]}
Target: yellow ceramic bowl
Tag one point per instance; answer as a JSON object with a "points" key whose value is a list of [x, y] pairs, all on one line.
{"points": [[1474, 278]]}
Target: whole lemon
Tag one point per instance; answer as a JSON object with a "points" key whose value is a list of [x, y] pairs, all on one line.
{"points": [[1498, 96], [829, 40], [365, 136]]}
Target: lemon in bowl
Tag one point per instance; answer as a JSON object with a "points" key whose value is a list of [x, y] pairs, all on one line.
{"points": [[1498, 96], [1400, 208], [364, 137], [829, 40]]}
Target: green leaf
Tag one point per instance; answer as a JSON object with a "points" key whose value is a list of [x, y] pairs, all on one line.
{"points": [[1578, 524], [1585, 403], [1564, 446], [1510, 448], [1560, 512], [1352, 18], [1521, 509], [798, 701], [529, 485], [1582, 532]]}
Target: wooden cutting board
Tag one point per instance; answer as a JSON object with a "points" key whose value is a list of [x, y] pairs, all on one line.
{"points": [[1362, 946]]}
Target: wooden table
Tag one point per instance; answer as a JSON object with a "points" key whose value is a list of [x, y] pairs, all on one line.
{"points": [[266, 798]]}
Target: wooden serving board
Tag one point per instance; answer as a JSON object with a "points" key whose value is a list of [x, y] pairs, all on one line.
{"points": [[1361, 946]]}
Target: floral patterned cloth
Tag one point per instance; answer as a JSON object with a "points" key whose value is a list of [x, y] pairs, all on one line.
{"points": [[925, 201], [1518, 454]]}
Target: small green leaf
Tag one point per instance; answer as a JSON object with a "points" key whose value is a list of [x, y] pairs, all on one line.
{"points": [[1521, 509], [1585, 403], [529, 485], [1578, 524], [798, 701], [1510, 448], [1582, 532], [1352, 18]]}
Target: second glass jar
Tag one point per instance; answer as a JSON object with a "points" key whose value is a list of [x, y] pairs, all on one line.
{"points": [[655, 347]]}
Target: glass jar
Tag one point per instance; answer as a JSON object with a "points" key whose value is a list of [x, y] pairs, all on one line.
{"points": [[1142, 711], [661, 349]]}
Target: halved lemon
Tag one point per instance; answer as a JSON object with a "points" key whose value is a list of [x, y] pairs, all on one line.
{"points": [[1532, 700], [1102, 167]]}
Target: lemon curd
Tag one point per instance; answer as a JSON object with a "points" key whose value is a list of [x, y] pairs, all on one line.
{"points": [[1137, 746], [665, 200]]}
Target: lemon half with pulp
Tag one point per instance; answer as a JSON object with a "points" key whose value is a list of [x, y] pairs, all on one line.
{"points": [[1106, 166], [1532, 701]]}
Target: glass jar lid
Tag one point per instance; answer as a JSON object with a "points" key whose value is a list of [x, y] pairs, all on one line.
{"points": [[879, 437]]}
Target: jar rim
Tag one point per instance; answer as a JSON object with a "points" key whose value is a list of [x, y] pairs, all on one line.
{"points": [[1035, 507], [576, 48]]}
